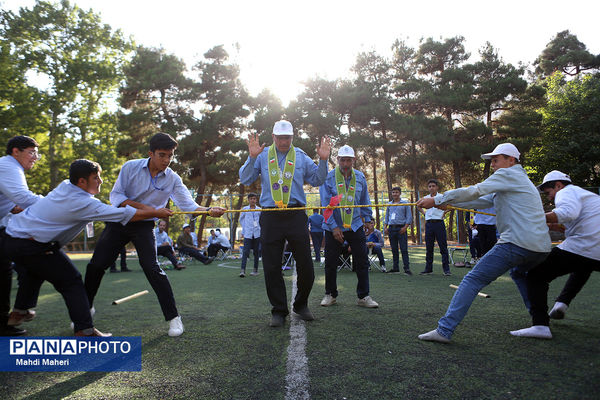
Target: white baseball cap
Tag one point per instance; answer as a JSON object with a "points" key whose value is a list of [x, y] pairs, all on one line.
{"points": [[283, 127], [185, 226], [554, 176], [346, 151], [507, 149]]}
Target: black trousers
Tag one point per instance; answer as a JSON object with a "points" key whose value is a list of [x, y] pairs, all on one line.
{"points": [[275, 228], [47, 262], [192, 252], [213, 249], [436, 230], [559, 262], [360, 261], [123, 254], [317, 240], [5, 282], [167, 251], [112, 239], [487, 237]]}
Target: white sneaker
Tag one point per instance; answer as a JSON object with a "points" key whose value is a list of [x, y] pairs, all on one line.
{"points": [[536, 331], [473, 261], [368, 302], [175, 326], [433, 336], [328, 300], [92, 312], [558, 311], [254, 273]]}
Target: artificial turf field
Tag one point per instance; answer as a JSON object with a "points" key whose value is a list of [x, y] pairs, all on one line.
{"points": [[228, 351]]}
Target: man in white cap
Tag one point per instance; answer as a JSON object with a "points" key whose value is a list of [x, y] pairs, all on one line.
{"points": [[524, 240], [346, 224], [577, 213], [185, 245], [283, 169]]}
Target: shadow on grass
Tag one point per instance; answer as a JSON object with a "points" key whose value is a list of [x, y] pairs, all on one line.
{"points": [[70, 386]]}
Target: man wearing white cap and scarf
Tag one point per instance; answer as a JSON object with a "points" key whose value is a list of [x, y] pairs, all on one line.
{"points": [[283, 170], [577, 212], [346, 224], [524, 240]]}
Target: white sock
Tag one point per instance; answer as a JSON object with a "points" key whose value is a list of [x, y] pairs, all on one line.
{"points": [[535, 331]]}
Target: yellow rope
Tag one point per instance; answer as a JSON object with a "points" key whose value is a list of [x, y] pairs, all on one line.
{"points": [[321, 208]]}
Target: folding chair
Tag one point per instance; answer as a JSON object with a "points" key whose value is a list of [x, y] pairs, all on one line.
{"points": [[164, 263], [465, 252], [223, 254], [288, 261], [374, 262], [344, 262]]}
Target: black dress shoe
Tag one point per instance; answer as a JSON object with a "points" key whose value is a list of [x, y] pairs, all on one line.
{"points": [[393, 271], [277, 320], [125, 269], [305, 314], [114, 270], [7, 330]]}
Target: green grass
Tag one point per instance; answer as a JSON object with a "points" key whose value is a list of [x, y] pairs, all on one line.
{"points": [[229, 352]]}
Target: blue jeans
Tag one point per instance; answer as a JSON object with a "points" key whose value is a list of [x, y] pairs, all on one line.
{"points": [[250, 244], [501, 258], [396, 238]]}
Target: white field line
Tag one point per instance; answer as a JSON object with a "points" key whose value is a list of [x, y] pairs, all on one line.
{"points": [[296, 380]]}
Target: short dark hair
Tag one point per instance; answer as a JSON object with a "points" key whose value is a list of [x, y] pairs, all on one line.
{"points": [[162, 141], [82, 168], [21, 143], [433, 181], [552, 184], [315, 211], [397, 188], [218, 229], [212, 230], [252, 195]]}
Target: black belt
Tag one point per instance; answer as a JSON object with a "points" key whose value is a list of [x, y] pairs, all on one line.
{"points": [[435, 220], [396, 226], [289, 206]]}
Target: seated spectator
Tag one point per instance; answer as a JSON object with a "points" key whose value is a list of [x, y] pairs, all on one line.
{"points": [[218, 242], [164, 245], [375, 242], [185, 245]]}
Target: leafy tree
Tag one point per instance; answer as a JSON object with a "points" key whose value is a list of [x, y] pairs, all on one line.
{"points": [[81, 58], [497, 87], [567, 54], [210, 152], [153, 97], [571, 130]]}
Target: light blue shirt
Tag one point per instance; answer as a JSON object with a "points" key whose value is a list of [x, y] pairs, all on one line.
{"points": [[211, 239], [398, 215], [361, 197], [13, 188], [222, 240], [62, 214], [482, 219], [249, 223], [306, 171], [135, 183], [520, 216], [162, 237], [315, 223]]}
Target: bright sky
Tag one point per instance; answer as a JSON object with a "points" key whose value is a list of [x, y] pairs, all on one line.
{"points": [[282, 43]]}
